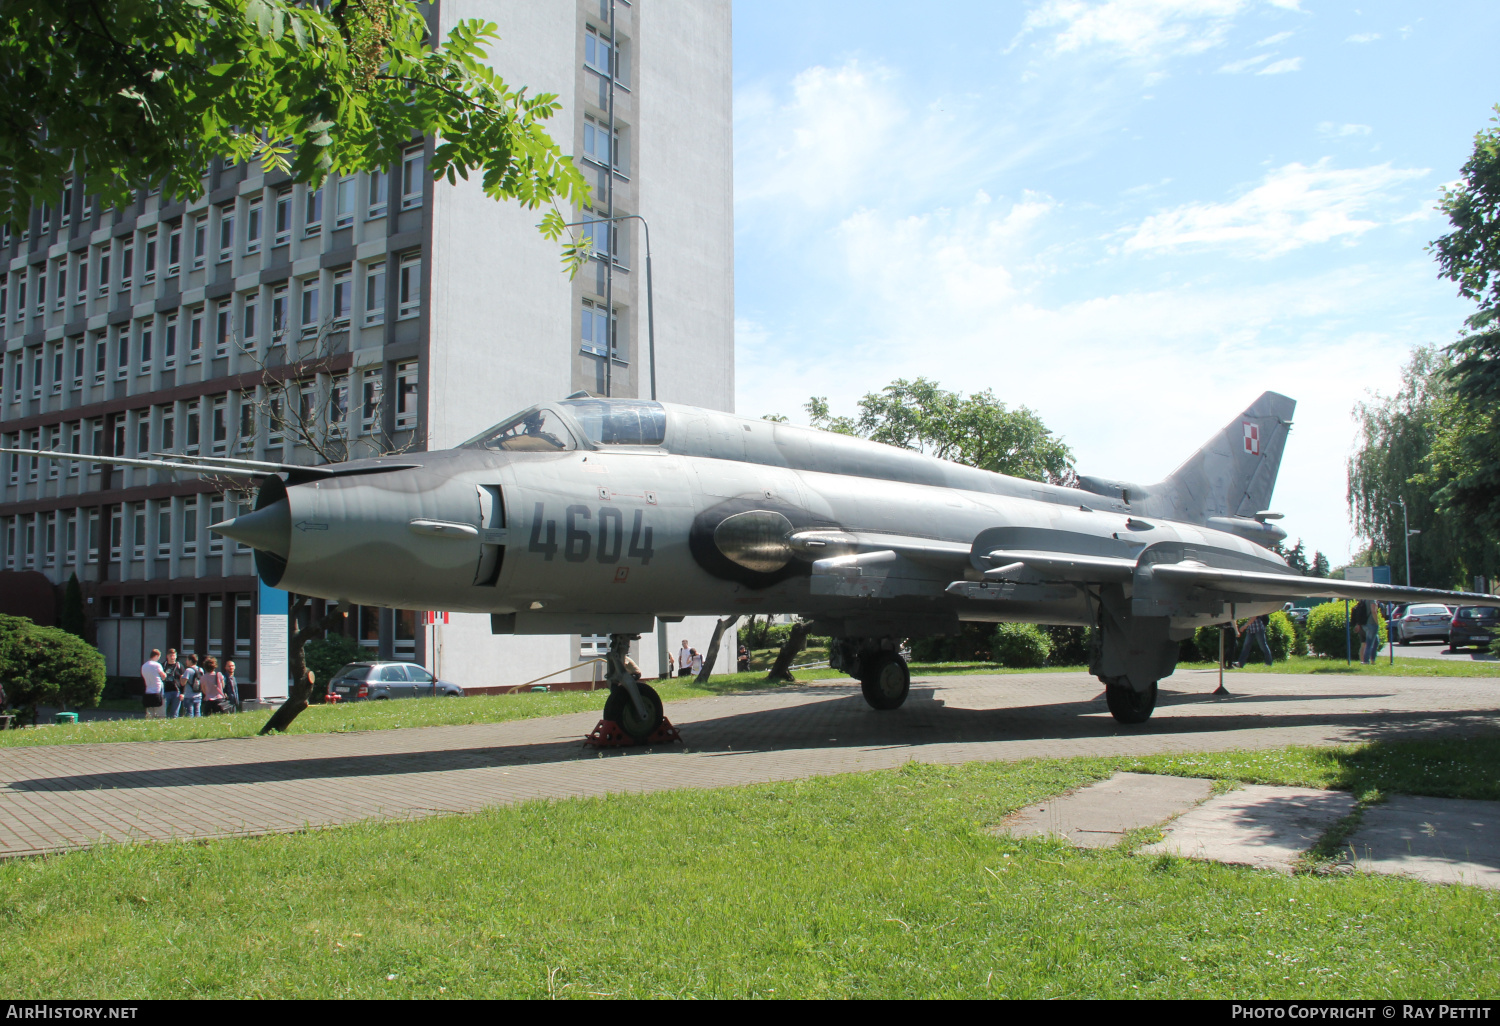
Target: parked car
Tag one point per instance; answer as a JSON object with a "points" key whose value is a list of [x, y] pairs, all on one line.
{"points": [[377, 681], [1472, 627], [1421, 621]]}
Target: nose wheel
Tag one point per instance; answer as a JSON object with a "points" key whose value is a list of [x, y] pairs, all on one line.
{"points": [[885, 679], [633, 712]]}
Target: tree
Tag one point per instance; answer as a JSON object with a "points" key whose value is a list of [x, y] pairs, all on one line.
{"points": [[47, 666], [712, 655], [300, 694], [73, 618], [122, 92], [782, 670], [976, 430], [1320, 567], [1467, 451], [1296, 557]]}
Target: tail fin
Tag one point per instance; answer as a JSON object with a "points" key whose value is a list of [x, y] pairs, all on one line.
{"points": [[1235, 473]]}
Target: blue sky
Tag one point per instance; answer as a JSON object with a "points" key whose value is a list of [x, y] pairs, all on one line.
{"points": [[1132, 216]]}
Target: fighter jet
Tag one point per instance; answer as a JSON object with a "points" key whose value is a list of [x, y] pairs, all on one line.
{"points": [[601, 516]]}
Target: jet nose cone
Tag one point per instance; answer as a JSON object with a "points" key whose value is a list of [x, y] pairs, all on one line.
{"points": [[268, 529]]}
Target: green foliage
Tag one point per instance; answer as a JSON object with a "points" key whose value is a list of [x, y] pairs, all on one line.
{"points": [[1020, 645], [1281, 635], [47, 666], [326, 656], [976, 430], [73, 619], [123, 92], [1325, 631], [1467, 454], [971, 643]]}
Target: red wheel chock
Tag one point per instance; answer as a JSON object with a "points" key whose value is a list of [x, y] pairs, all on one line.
{"points": [[607, 734]]}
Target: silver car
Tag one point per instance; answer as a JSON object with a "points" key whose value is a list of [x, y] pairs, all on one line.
{"points": [[1421, 621], [376, 681]]}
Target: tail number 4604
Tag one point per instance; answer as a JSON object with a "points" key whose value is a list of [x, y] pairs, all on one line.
{"points": [[579, 541]]}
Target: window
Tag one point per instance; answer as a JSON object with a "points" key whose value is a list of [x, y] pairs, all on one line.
{"points": [[307, 408], [195, 335], [62, 285], [216, 615], [247, 421], [75, 447], [594, 329], [215, 541], [82, 288], [31, 541], [191, 413], [312, 220], [250, 323], [148, 259], [372, 392], [226, 234], [49, 546], [101, 358], [200, 240], [127, 266], [189, 548], [10, 544], [146, 339], [338, 405], [164, 529], [241, 508], [252, 227], [596, 51], [53, 440], [343, 202], [409, 287], [343, 296], [244, 623], [67, 203], [413, 172], [16, 373], [274, 422], [169, 342], [143, 433], [375, 293], [596, 141], [70, 540], [174, 251], [4, 297], [46, 218], [278, 314], [122, 355], [104, 272], [57, 368], [310, 305], [220, 424], [380, 186], [168, 429], [93, 536], [138, 529], [41, 291], [222, 328], [36, 372], [119, 439], [406, 395], [189, 623], [78, 362], [283, 218]]}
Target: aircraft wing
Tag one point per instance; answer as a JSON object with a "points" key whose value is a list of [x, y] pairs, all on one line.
{"points": [[227, 466], [124, 461], [1290, 586]]}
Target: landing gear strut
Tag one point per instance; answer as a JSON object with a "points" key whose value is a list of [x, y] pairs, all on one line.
{"points": [[883, 675], [633, 712]]}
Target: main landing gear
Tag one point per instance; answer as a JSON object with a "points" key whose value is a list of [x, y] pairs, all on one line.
{"points": [[633, 712], [877, 665]]}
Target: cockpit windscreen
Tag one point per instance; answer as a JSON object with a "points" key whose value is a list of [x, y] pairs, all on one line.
{"points": [[535, 430], [619, 421]]}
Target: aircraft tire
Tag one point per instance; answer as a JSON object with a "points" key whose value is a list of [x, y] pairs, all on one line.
{"points": [[619, 708], [1127, 705], [886, 682]]}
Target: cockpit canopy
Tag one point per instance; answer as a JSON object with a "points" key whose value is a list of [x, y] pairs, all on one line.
{"points": [[603, 422]]}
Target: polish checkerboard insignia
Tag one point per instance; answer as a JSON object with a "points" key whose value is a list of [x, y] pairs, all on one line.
{"points": [[1252, 438]]}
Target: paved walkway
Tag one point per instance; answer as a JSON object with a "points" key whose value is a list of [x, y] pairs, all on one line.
{"points": [[69, 796]]}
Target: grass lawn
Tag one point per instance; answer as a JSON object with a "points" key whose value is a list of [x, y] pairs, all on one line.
{"points": [[881, 884], [1383, 668]]}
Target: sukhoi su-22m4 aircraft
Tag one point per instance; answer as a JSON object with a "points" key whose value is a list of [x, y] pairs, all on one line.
{"points": [[599, 516]]}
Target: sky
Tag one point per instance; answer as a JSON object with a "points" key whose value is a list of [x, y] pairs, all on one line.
{"points": [[1131, 216]]}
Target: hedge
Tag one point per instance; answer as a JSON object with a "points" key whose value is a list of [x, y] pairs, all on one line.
{"points": [[1326, 635]]}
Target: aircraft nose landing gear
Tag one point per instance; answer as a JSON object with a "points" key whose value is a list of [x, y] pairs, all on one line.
{"points": [[633, 712], [882, 673]]}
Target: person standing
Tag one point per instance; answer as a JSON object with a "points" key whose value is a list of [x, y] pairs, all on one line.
{"points": [[232, 687], [152, 674], [1254, 633], [684, 659], [192, 689], [743, 662], [695, 667], [213, 688], [171, 683], [1366, 617]]}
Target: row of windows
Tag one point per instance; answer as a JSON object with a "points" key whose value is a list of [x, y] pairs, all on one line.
{"points": [[243, 223], [44, 540], [218, 424], [298, 308]]}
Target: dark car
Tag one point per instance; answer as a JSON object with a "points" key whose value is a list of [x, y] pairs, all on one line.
{"points": [[376, 681], [1472, 627]]}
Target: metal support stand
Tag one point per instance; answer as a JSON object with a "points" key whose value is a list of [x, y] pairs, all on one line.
{"points": [[1221, 690]]}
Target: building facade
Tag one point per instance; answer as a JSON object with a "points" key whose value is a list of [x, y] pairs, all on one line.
{"points": [[265, 320]]}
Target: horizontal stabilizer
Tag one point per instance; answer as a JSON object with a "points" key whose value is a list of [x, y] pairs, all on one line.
{"points": [[1290, 586]]}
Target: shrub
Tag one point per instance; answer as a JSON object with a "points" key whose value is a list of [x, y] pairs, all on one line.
{"points": [[47, 666], [1326, 635], [326, 656], [1070, 645], [972, 642], [1020, 645]]}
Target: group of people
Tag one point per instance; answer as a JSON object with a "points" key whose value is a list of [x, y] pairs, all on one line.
{"points": [[174, 689], [1364, 618], [689, 662]]}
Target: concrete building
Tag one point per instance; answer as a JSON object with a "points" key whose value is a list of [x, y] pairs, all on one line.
{"points": [[265, 320]]}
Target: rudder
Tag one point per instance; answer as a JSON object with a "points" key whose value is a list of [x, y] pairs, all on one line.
{"points": [[1234, 474]]}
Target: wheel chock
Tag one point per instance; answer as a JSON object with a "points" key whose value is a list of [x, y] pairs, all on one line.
{"points": [[609, 734]]}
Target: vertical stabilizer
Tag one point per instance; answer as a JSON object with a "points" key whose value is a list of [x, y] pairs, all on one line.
{"points": [[1235, 473]]}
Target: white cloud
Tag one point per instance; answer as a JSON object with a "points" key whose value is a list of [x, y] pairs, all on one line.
{"points": [[1282, 67], [1294, 206], [1279, 37], [1329, 128], [1235, 67], [1363, 37], [1134, 28]]}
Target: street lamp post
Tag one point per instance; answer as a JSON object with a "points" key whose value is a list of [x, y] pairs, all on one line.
{"points": [[609, 340], [1406, 532]]}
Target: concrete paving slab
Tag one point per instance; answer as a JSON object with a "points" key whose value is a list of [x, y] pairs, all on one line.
{"points": [[1260, 826], [1098, 816], [1440, 840]]}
